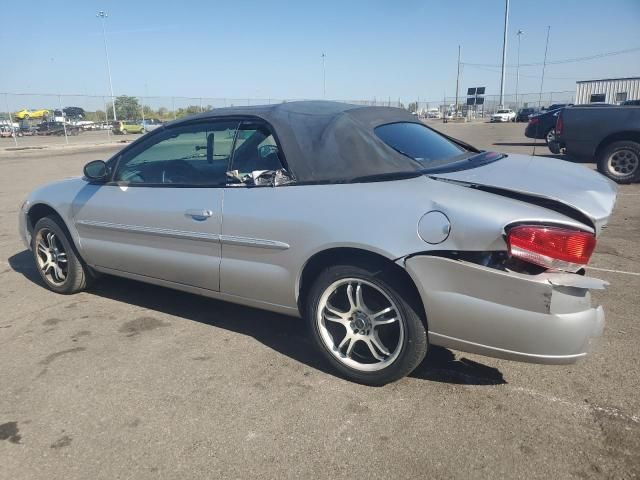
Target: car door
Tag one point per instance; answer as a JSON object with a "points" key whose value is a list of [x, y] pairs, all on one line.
{"points": [[160, 216], [257, 246]]}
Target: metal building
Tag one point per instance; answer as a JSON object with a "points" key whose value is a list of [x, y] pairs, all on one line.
{"points": [[608, 90]]}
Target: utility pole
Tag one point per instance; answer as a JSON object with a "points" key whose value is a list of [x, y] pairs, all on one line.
{"points": [[458, 79], [324, 76], [504, 51], [520, 32], [544, 67], [13, 130], [102, 15], [444, 108]]}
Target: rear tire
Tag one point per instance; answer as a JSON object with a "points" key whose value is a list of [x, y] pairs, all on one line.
{"points": [[620, 161], [363, 323], [550, 136], [56, 257]]}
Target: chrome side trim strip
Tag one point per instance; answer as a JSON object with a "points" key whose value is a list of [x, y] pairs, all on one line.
{"points": [[169, 232], [164, 232], [253, 242]]}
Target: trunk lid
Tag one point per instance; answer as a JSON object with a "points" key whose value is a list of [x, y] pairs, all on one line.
{"points": [[544, 181]]}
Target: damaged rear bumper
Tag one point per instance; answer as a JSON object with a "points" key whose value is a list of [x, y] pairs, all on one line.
{"points": [[544, 318]]}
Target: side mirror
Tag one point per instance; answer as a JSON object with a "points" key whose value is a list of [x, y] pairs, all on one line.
{"points": [[96, 171]]}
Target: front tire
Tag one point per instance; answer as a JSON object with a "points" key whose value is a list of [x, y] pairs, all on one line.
{"points": [[56, 258], [362, 321], [620, 161]]}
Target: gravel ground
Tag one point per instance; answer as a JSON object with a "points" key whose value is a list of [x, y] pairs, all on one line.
{"points": [[135, 381]]}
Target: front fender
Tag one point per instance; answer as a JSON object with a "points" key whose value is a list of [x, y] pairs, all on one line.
{"points": [[57, 197]]}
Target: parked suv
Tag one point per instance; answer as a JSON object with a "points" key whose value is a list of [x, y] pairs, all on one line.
{"points": [[524, 114], [504, 115]]}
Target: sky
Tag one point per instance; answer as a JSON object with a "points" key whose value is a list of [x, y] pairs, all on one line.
{"points": [[394, 49]]}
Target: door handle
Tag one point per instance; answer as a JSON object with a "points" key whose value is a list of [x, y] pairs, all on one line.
{"points": [[199, 214]]}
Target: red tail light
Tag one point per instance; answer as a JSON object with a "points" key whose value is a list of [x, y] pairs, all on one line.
{"points": [[559, 125], [551, 247], [533, 121]]}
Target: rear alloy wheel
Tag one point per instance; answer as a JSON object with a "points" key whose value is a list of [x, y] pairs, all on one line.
{"points": [[58, 263], [364, 327], [620, 161], [550, 136]]}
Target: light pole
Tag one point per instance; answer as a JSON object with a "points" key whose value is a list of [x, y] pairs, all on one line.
{"points": [[520, 32], [102, 15], [457, 81], [324, 77], [504, 50]]}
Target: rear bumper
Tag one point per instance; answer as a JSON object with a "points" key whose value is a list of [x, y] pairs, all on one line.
{"points": [[544, 318], [532, 132]]}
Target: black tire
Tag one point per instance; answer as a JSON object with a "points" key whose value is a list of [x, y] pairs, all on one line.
{"points": [[620, 161], [77, 275], [412, 349]]}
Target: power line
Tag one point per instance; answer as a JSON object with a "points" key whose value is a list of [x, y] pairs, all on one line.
{"points": [[558, 62], [495, 70]]}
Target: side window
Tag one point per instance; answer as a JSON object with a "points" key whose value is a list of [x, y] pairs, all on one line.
{"points": [[191, 155], [256, 149]]}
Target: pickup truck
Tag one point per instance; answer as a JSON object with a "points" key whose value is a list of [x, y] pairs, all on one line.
{"points": [[610, 135]]}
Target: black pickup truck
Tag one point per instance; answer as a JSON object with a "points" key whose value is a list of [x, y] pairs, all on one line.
{"points": [[610, 135]]}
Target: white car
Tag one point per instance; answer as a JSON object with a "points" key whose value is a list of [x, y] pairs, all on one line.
{"points": [[503, 115], [434, 113]]}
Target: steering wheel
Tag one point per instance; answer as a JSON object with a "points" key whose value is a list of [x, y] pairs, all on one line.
{"points": [[180, 172], [265, 150]]}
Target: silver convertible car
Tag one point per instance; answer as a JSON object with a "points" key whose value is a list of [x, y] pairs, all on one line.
{"points": [[383, 234]]}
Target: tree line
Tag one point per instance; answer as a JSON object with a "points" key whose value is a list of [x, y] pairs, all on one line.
{"points": [[129, 108]]}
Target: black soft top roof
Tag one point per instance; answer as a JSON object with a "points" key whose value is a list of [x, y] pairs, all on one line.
{"points": [[329, 141]]}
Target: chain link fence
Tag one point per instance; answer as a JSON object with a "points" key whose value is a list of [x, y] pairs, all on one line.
{"points": [[48, 119]]}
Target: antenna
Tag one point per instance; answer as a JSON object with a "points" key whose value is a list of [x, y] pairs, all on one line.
{"points": [[544, 66]]}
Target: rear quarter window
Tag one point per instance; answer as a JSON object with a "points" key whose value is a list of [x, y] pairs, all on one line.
{"points": [[418, 142]]}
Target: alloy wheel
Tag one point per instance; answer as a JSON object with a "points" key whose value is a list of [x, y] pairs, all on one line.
{"points": [[360, 325], [551, 135], [51, 256]]}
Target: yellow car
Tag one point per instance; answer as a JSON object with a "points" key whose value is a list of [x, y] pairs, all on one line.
{"points": [[24, 113]]}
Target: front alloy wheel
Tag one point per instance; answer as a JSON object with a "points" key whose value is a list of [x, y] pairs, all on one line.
{"points": [[58, 262], [367, 323], [51, 257]]}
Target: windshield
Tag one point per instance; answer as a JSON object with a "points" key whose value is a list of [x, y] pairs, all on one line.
{"points": [[420, 143], [503, 111]]}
